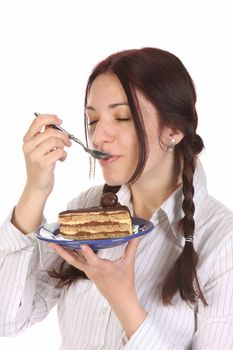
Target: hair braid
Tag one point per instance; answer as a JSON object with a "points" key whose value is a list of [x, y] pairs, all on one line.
{"points": [[183, 276]]}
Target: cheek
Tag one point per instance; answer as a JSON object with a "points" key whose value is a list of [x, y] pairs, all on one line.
{"points": [[90, 135], [156, 156], [156, 151], [153, 137], [132, 144]]}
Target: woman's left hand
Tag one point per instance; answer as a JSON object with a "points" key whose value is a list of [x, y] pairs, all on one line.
{"points": [[114, 279]]}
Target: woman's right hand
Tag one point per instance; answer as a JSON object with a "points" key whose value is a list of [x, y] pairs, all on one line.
{"points": [[43, 147]]}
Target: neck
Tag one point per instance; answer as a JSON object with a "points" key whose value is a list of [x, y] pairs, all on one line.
{"points": [[153, 188]]}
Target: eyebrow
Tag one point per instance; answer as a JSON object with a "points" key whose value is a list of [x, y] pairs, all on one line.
{"points": [[111, 106]]}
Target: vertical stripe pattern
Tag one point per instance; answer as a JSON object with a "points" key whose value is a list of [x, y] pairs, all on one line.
{"points": [[86, 320]]}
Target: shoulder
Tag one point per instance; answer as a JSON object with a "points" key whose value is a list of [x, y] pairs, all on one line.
{"points": [[87, 198], [214, 224], [215, 214], [214, 244]]}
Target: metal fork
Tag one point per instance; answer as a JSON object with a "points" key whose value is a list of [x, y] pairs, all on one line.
{"points": [[93, 152]]}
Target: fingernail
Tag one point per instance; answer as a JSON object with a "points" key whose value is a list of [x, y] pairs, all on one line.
{"points": [[83, 247]]}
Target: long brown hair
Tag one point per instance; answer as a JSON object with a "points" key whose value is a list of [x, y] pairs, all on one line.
{"points": [[165, 82]]}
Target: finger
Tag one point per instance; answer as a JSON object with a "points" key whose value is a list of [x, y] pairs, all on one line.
{"points": [[80, 254], [39, 123], [131, 248], [91, 258], [50, 134], [53, 156], [62, 158], [70, 257], [50, 158], [44, 147]]}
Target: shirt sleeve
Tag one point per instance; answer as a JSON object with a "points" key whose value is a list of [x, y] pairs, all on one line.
{"points": [[27, 292], [149, 336], [215, 321]]}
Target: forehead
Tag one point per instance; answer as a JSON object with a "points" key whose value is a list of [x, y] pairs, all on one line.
{"points": [[106, 87], [106, 90]]}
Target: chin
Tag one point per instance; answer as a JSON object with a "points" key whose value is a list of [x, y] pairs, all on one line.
{"points": [[114, 181], [118, 176]]}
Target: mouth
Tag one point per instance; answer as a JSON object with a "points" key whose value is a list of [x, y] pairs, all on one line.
{"points": [[110, 160]]}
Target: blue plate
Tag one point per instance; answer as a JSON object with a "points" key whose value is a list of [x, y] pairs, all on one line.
{"points": [[50, 233]]}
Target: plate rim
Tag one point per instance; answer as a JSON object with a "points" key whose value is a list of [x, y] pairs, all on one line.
{"points": [[101, 241]]}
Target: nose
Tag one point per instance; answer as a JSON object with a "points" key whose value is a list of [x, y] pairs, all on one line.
{"points": [[102, 134]]}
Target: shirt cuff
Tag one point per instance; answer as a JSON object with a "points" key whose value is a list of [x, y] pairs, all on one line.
{"points": [[12, 239], [148, 336]]}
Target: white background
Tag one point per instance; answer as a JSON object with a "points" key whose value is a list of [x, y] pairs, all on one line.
{"points": [[47, 49]]}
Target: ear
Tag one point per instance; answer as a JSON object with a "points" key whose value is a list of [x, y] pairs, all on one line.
{"points": [[169, 134], [176, 134]]}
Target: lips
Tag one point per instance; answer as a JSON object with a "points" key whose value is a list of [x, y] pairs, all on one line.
{"points": [[108, 161]]}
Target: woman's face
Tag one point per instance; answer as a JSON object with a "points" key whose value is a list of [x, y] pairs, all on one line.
{"points": [[112, 130]]}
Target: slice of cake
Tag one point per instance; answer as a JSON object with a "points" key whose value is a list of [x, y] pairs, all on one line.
{"points": [[109, 220]]}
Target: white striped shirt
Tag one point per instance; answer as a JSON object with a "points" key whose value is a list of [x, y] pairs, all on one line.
{"points": [[86, 320]]}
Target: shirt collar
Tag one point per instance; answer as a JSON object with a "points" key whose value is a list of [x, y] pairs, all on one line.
{"points": [[172, 207], [124, 197]]}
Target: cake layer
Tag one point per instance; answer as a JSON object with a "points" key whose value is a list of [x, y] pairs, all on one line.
{"points": [[97, 222], [93, 228], [88, 217], [104, 235]]}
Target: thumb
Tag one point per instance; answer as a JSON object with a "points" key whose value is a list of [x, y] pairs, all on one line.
{"points": [[131, 248]]}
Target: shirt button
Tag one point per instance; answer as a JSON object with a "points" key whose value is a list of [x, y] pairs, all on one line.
{"points": [[104, 310]]}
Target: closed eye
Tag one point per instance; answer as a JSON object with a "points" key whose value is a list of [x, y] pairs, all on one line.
{"points": [[123, 119], [92, 122]]}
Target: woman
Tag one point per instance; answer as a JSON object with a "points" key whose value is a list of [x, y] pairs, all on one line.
{"points": [[172, 289]]}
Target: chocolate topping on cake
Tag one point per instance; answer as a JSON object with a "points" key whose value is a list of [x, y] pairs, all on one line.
{"points": [[108, 200]]}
